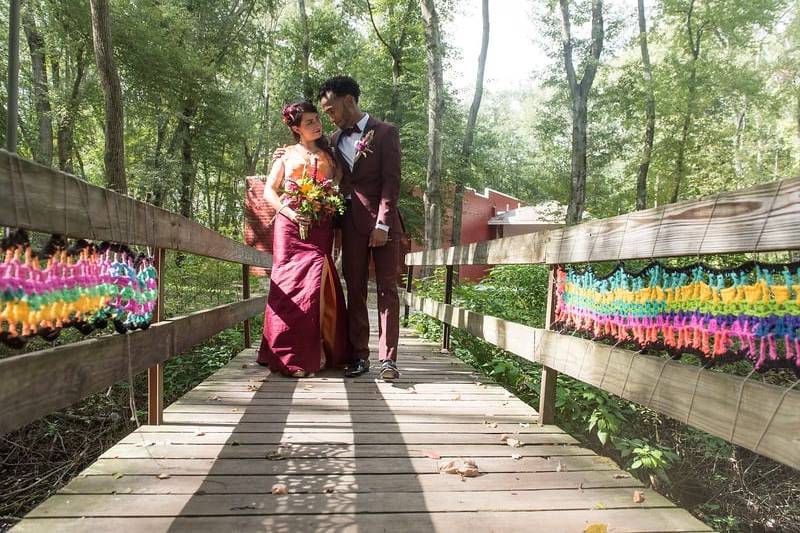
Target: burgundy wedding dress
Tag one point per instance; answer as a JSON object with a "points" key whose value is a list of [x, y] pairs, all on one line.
{"points": [[305, 308]]}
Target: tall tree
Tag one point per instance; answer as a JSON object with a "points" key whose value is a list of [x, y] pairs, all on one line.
{"points": [[41, 92], [579, 92], [114, 157], [694, 33], [66, 122], [394, 47], [305, 51], [469, 134], [433, 191], [650, 113]]}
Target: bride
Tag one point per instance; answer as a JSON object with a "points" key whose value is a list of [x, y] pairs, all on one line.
{"points": [[305, 326]]}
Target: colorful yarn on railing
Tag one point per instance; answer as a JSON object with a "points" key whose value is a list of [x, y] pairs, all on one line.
{"points": [[751, 312], [83, 285]]}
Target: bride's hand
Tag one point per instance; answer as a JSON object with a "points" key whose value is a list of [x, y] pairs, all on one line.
{"points": [[292, 215]]}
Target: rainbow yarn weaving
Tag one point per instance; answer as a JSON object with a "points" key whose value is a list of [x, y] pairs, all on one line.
{"points": [[752, 311], [83, 285]]}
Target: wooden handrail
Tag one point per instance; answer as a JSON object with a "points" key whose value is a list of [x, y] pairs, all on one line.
{"points": [[29, 391], [758, 219], [763, 418], [40, 198]]}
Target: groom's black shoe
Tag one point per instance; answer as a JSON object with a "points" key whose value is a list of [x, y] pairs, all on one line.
{"points": [[358, 368]]}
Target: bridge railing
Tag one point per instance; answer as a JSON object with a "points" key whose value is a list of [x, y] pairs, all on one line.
{"points": [[42, 199], [761, 417]]}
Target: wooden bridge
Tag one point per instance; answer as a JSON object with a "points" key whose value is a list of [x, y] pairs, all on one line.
{"points": [[363, 455]]}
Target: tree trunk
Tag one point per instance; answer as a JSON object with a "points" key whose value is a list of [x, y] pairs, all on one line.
{"points": [[41, 93], [579, 92], [66, 125], [114, 157], [305, 51], [187, 164], [395, 51], [433, 192], [650, 114], [469, 134], [694, 51], [157, 196]]}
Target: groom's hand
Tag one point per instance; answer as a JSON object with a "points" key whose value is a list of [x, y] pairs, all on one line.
{"points": [[378, 238], [278, 153]]}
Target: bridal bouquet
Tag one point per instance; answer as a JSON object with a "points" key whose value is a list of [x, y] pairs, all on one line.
{"points": [[313, 196]]}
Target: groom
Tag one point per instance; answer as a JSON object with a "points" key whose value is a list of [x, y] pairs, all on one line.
{"points": [[369, 151]]}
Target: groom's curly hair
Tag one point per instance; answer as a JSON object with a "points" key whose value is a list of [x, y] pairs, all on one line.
{"points": [[341, 86]]}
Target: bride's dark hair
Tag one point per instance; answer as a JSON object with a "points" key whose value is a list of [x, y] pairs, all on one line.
{"points": [[292, 115]]}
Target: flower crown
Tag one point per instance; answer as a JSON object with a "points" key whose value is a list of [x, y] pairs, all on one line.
{"points": [[291, 113]]}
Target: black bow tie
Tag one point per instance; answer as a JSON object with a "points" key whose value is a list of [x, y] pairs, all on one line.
{"points": [[351, 130]]}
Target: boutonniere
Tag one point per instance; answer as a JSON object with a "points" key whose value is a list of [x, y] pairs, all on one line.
{"points": [[363, 146]]}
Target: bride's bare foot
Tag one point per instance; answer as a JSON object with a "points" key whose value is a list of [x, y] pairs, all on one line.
{"points": [[299, 374]]}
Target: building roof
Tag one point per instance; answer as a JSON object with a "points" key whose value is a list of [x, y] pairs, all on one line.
{"points": [[550, 212]]}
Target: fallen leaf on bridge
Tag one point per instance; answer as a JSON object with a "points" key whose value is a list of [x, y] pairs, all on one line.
{"points": [[462, 467], [164, 475], [279, 488], [638, 496]]}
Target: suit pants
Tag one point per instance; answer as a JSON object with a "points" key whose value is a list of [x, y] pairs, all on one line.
{"points": [[356, 255]]}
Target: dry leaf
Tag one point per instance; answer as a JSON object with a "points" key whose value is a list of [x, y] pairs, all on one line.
{"points": [[621, 476], [252, 388], [600, 506], [275, 455], [516, 456], [596, 528], [514, 443], [503, 437], [457, 397], [279, 488], [330, 490], [117, 475], [164, 475], [560, 467], [234, 410], [432, 455], [638, 496], [462, 467], [235, 443], [524, 425], [493, 425], [199, 433]]}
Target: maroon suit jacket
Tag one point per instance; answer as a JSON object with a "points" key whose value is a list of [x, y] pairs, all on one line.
{"points": [[374, 182]]}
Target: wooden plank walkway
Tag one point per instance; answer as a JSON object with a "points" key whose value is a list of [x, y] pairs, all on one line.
{"points": [[354, 455]]}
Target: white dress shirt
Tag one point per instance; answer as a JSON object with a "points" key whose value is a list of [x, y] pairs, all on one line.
{"points": [[347, 147]]}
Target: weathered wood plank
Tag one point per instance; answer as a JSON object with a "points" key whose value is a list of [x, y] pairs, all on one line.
{"points": [[763, 418], [618, 520], [412, 465], [28, 390], [548, 445], [147, 439], [77, 505], [44, 199], [762, 218], [214, 484]]}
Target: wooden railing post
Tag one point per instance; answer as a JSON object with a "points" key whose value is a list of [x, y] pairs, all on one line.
{"points": [[448, 299], [547, 393], [245, 296], [155, 374], [409, 287]]}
